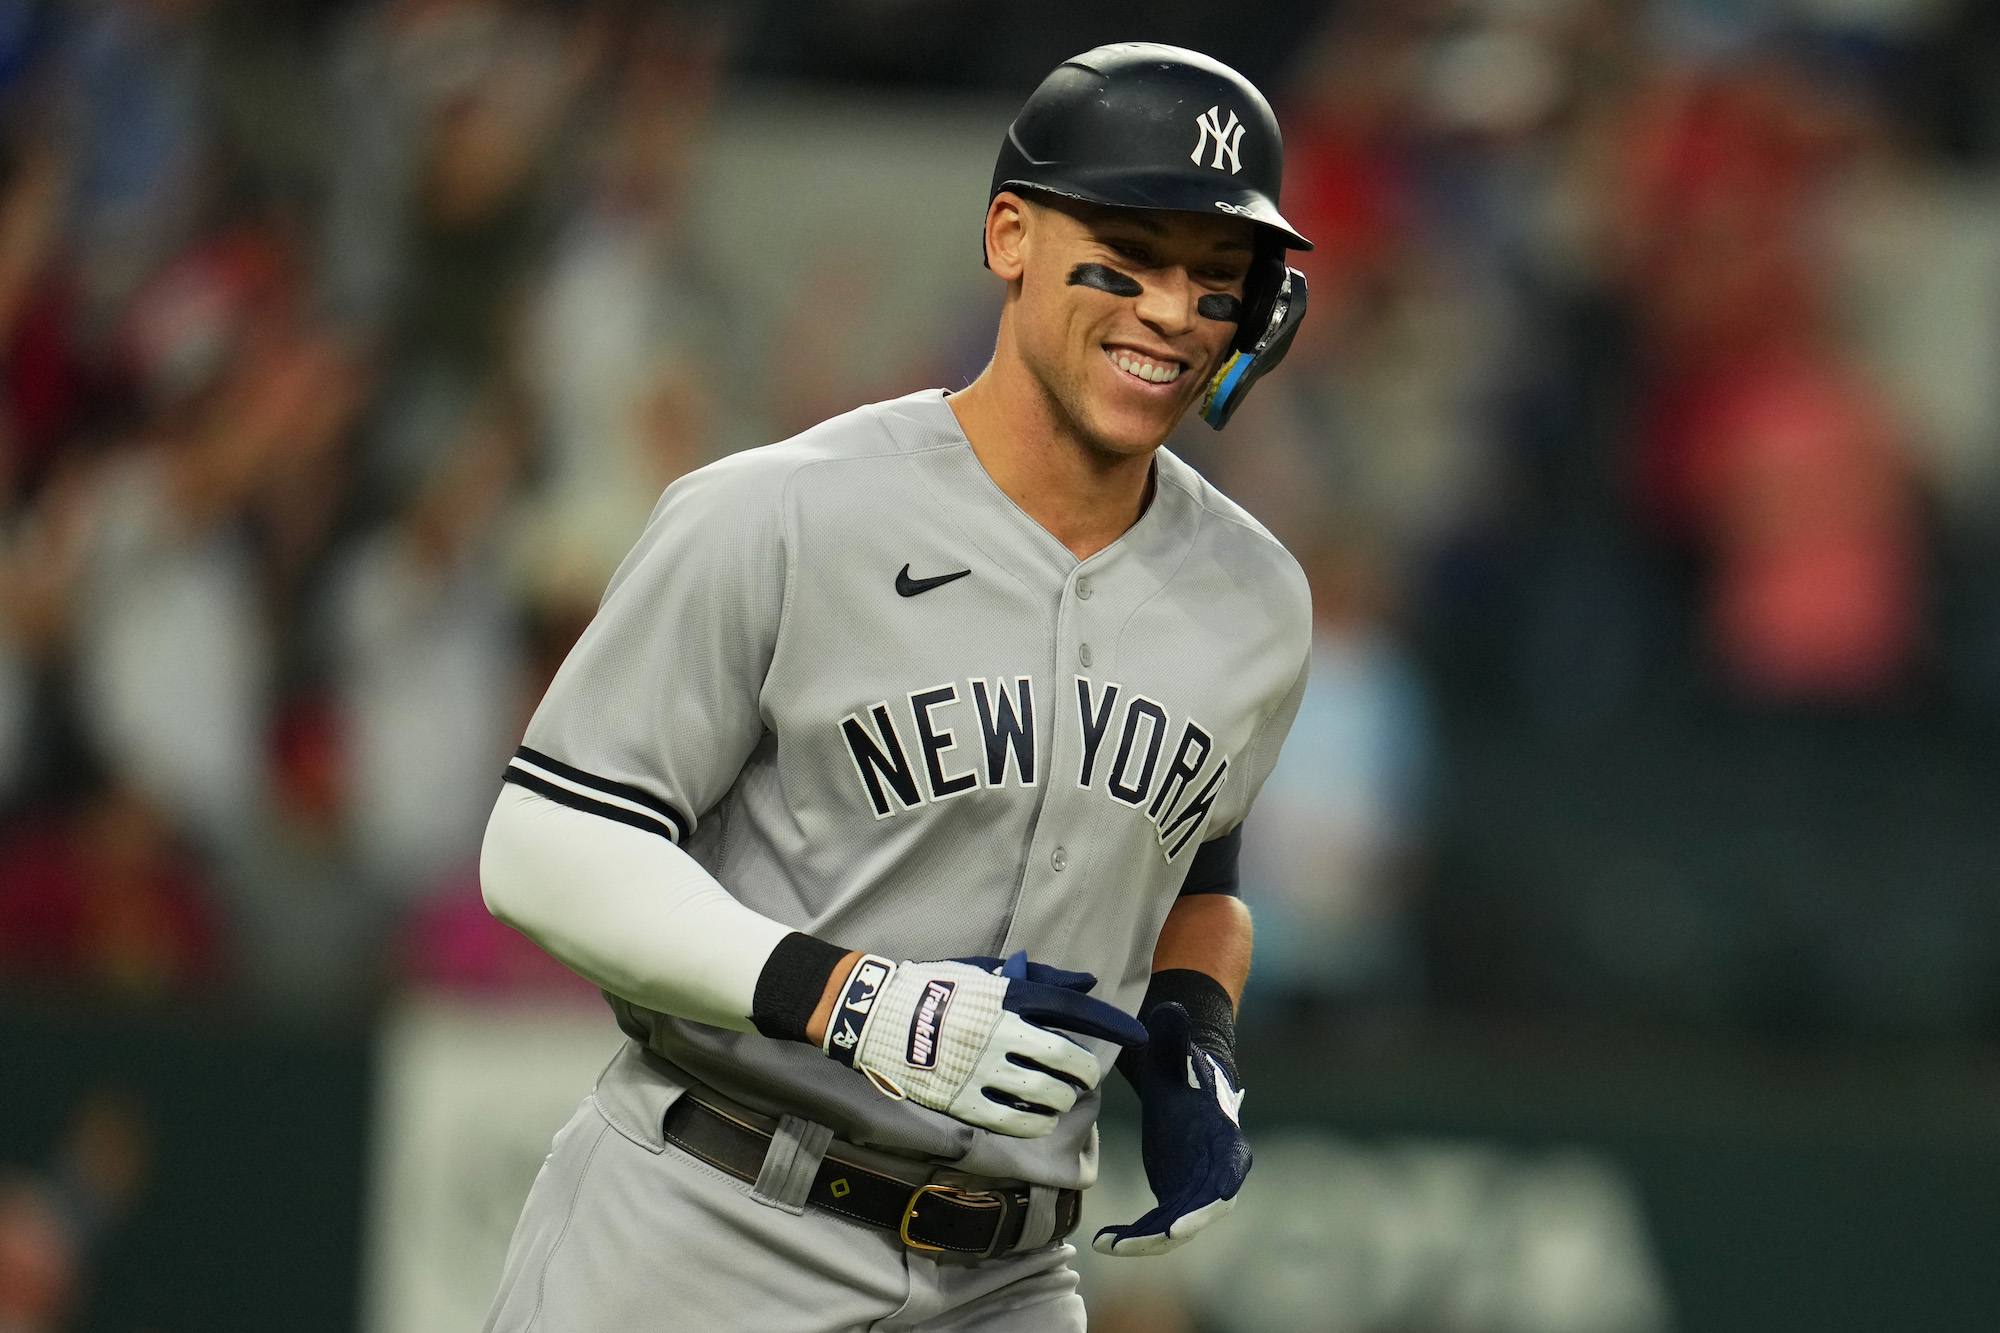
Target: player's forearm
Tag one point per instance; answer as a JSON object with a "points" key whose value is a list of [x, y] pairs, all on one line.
{"points": [[1200, 964], [1208, 933], [625, 909]]}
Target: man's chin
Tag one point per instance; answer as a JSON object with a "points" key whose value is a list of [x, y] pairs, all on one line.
{"points": [[1138, 443], [1132, 434]]}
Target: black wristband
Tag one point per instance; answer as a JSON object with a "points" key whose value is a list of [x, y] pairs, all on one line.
{"points": [[791, 984], [1211, 1018]]}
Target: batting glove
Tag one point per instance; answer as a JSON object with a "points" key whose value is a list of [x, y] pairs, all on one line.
{"points": [[981, 1044], [1192, 1144]]}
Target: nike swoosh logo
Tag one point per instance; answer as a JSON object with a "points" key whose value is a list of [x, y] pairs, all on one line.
{"points": [[910, 587]]}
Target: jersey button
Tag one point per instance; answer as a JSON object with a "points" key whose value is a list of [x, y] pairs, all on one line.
{"points": [[1083, 589], [1083, 654], [1059, 859]]}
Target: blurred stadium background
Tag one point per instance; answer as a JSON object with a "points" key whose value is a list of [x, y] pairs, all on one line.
{"points": [[1629, 893]]}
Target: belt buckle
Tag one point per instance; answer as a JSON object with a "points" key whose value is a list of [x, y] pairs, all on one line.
{"points": [[957, 1196]]}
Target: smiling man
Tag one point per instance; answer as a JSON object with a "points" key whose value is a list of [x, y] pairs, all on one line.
{"points": [[944, 681]]}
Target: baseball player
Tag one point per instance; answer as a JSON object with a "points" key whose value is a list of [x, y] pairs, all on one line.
{"points": [[902, 765]]}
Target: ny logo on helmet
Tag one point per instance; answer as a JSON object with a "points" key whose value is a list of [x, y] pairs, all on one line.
{"points": [[1227, 138]]}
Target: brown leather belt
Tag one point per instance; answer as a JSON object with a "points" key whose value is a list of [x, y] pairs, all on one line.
{"points": [[933, 1217]]}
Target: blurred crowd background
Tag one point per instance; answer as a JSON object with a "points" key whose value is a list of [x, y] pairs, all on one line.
{"points": [[1643, 448]]}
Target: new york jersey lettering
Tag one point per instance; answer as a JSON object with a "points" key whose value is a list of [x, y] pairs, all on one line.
{"points": [[936, 740], [1174, 787], [1177, 818], [1096, 719], [1189, 756], [1009, 728], [877, 763], [1126, 785]]}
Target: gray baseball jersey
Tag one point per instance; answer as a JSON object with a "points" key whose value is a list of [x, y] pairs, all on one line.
{"points": [[881, 704]]}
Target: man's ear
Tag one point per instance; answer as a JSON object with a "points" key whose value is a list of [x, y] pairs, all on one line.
{"points": [[1007, 226]]}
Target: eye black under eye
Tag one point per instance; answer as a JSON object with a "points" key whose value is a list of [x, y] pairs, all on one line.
{"points": [[1220, 306], [1103, 279]]}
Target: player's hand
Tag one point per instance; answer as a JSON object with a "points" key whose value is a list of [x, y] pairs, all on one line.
{"points": [[1195, 1154], [981, 1044]]}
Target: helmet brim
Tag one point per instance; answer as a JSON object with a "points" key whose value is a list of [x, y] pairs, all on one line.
{"points": [[1147, 190]]}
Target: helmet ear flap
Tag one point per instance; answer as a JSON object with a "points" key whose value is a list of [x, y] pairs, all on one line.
{"points": [[1270, 340], [1261, 286]]}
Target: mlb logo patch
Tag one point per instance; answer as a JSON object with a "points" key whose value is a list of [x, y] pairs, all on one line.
{"points": [[924, 1024]]}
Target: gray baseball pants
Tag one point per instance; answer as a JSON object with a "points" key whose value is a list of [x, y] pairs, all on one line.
{"points": [[625, 1233]]}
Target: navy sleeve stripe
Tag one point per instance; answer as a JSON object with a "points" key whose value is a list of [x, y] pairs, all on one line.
{"points": [[521, 776], [556, 768], [1214, 869]]}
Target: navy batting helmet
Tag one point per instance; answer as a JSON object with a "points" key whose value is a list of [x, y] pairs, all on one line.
{"points": [[1140, 125]]}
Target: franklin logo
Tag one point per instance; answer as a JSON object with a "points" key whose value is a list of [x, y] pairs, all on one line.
{"points": [[1228, 138], [922, 1053]]}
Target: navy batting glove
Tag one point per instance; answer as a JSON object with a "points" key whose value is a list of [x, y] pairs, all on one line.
{"points": [[1193, 1146], [1018, 968], [1052, 997]]}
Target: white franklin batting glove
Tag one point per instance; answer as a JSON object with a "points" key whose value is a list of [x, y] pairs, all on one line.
{"points": [[975, 1044]]}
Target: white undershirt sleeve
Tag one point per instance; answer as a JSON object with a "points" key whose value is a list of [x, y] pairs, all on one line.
{"points": [[625, 909]]}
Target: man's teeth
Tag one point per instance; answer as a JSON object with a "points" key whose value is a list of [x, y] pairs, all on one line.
{"points": [[1147, 370]]}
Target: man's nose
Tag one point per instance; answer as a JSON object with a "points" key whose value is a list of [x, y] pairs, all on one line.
{"points": [[1168, 301]]}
